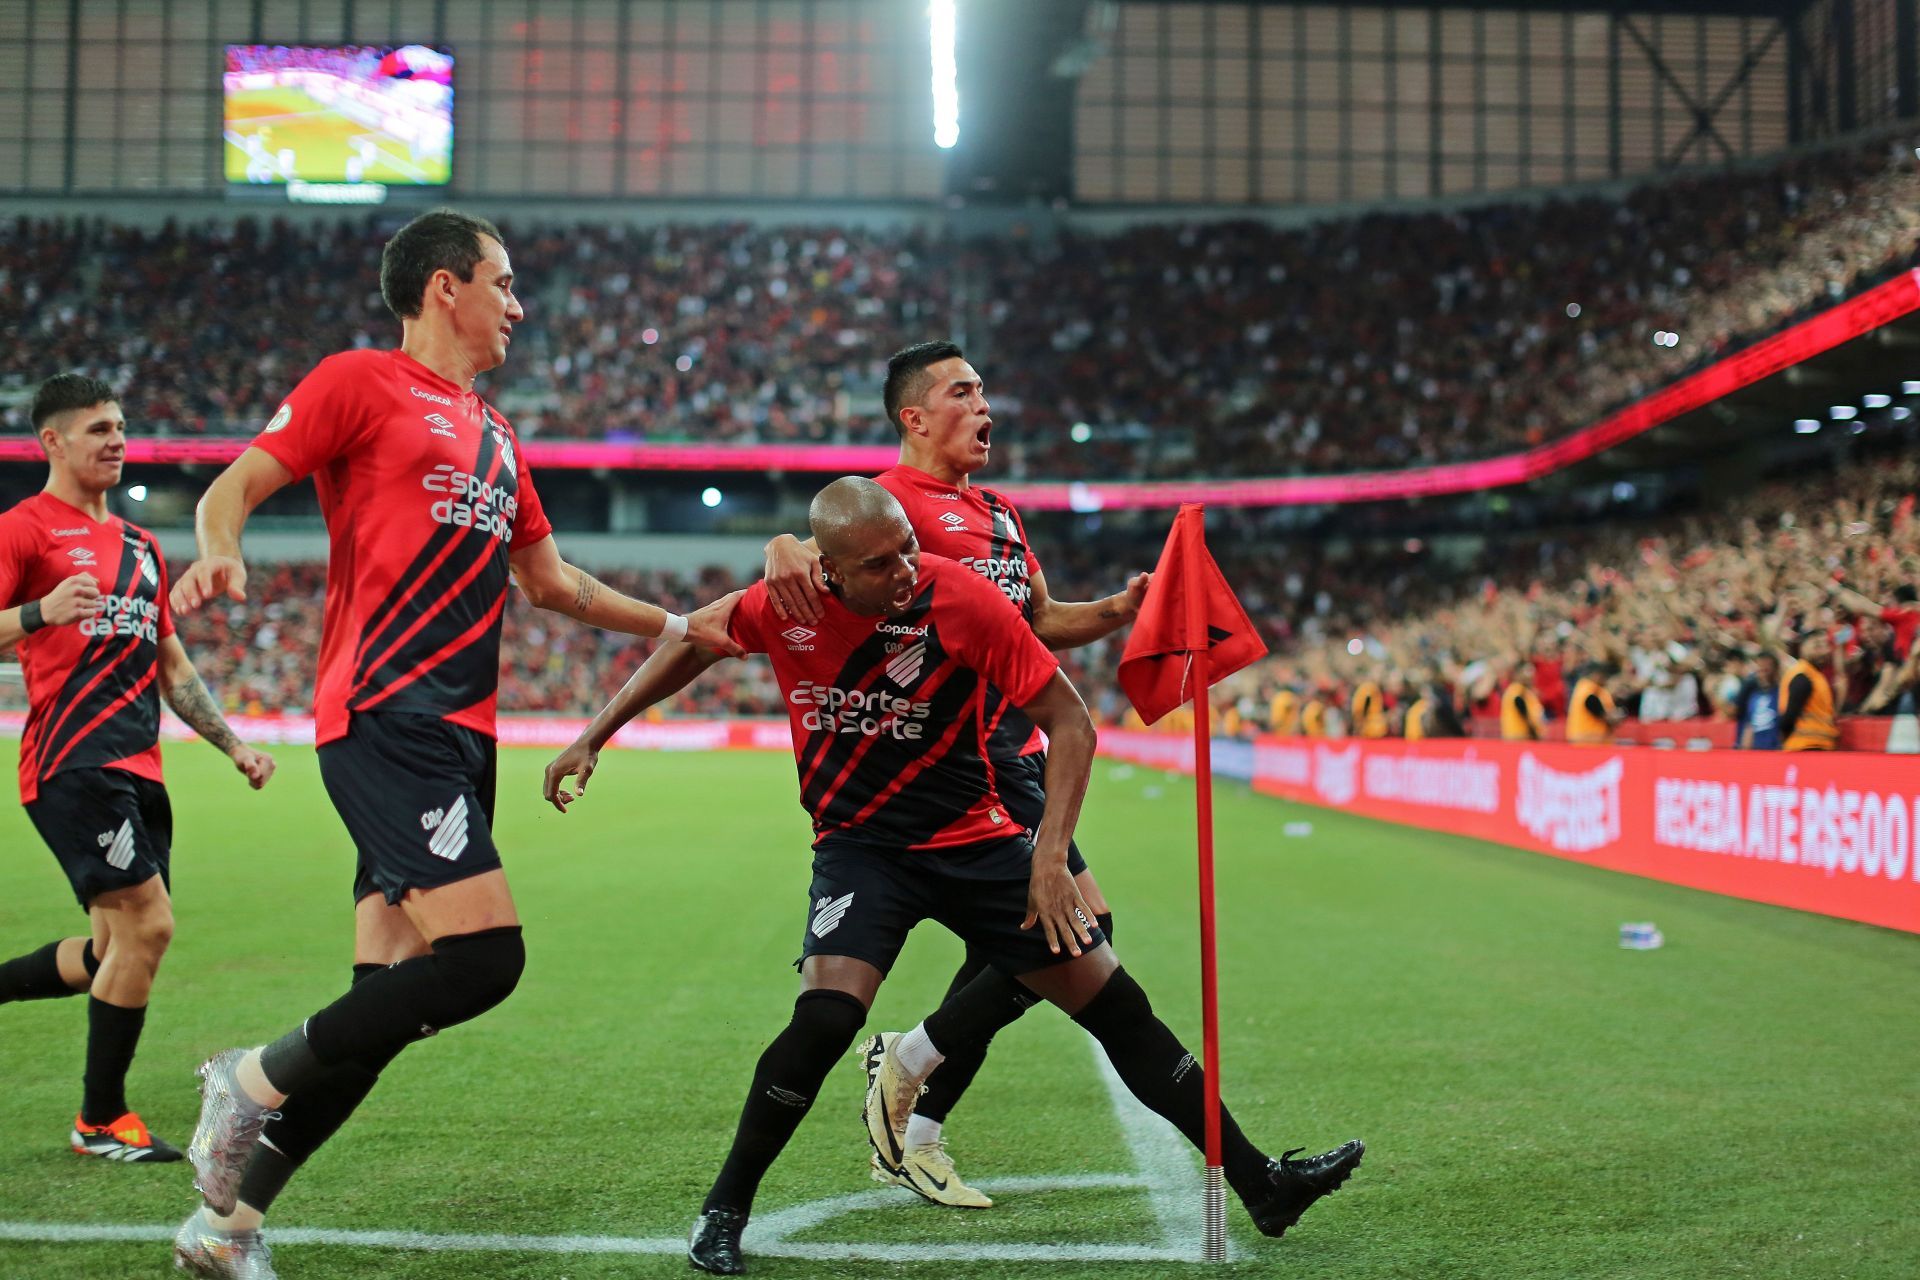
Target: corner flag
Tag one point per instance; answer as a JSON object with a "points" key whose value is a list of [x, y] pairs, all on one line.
{"points": [[1190, 633], [1157, 667]]}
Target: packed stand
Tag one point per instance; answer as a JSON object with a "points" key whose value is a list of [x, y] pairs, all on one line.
{"points": [[1218, 348]]}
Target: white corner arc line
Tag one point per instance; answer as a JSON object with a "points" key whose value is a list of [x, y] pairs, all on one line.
{"points": [[1169, 1167]]}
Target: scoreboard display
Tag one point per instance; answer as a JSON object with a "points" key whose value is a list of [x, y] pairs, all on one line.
{"points": [[338, 114]]}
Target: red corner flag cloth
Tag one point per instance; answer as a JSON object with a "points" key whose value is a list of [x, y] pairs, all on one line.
{"points": [[1154, 668]]}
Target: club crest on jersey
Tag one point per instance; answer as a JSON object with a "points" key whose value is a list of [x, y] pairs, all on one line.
{"points": [[954, 521], [505, 442], [906, 666], [438, 425], [797, 638], [147, 569], [1003, 525]]}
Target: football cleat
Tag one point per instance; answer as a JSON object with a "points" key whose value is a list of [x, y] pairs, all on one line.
{"points": [[126, 1140], [714, 1246], [201, 1249], [927, 1170], [229, 1129], [890, 1099], [1291, 1186]]}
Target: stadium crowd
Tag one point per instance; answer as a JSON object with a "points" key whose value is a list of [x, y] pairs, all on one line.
{"points": [[1215, 348]]}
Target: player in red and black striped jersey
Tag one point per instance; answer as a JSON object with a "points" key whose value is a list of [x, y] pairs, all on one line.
{"points": [[938, 405], [430, 510], [83, 599], [886, 694]]}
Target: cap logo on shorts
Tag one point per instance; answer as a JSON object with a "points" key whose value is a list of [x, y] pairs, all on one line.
{"points": [[449, 827], [827, 914], [119, 845]]}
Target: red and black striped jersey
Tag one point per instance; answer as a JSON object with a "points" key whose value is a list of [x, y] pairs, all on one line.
{"points": [[92, 700], [424, 495], [981, 531], [886, 712]]}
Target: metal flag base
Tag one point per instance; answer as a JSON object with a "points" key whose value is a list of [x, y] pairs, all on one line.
{"points": [[1215, 1248]]}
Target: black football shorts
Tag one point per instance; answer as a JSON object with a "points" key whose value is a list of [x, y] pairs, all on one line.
{"points": [[416, 794], [110, 829], [1022, 784], [864, 900]]}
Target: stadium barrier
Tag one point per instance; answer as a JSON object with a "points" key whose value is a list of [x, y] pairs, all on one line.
{"points": [[1898, 735], [1828, 833], [1832, 833]]}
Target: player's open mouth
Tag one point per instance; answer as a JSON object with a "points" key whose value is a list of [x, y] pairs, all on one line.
{"points": [[980, 437]]}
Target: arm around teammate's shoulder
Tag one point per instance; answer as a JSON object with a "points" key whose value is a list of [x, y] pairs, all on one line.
{"points": [[551, 583], [1061, 625]]}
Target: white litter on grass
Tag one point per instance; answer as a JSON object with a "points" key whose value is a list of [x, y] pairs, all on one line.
{"points": [[1297, 829]]}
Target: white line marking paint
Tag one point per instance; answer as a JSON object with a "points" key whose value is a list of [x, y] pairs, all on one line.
{"points": [[1169, 1167]]}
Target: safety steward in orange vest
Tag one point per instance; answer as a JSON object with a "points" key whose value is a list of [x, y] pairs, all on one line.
{"points": [[1590, 712], [1807, 721]]}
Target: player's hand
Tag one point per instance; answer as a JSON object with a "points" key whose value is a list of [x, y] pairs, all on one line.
{"points": [[576, 759], [207, 578], [1054, 902], [257, 765], [75, 598], [707, 625], [793, 580], [1137, 591]]}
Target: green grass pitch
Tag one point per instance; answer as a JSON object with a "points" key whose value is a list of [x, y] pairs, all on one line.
{"points": [[1537, 1101]]}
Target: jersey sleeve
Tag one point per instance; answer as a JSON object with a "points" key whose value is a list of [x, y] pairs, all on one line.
{"points": [[530, 523], [166, 586], [994, 639], [1033, 561], [320, 419], [753, 622], [17, 539]]}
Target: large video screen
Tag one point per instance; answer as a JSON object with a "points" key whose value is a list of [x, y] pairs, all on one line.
{"points": [[339, 113]]}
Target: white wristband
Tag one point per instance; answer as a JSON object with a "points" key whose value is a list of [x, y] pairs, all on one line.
{"points": [[675, 628]]}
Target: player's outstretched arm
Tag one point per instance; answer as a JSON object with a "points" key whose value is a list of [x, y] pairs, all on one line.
{"points": [[1053, 901], [668, 670], [551, 583], [1061, 625], [793, 578], [217, 523], [76, 597], [187, 694]]}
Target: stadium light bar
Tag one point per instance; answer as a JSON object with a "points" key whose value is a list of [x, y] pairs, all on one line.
{"points": [[946, 74], [1843, 413], [1875, 401], [1910, 388], [710, 497], [1901, 413], [1081, 433], [1806, 426]]}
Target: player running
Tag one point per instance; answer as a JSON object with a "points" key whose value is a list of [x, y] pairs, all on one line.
{"points": [[884, 691], [85, 602], [939, 408], [429, 508]]}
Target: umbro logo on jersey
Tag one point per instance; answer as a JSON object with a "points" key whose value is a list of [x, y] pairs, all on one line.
{"points": [[797, 637], [954, 521], [428, 395], [449, 827], [906, 667], [828, 913], [440, 426], [119, 846], [81, 555]]}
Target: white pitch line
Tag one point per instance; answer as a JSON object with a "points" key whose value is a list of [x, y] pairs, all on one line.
{"points": [[1168, 1167]]}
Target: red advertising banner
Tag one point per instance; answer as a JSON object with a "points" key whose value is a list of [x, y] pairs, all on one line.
{"points": [[1833, 833]]}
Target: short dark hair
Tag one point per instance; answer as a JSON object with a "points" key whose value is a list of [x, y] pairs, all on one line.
{"points": [[907, 379], [1905, 593], [440, 239], [64, 391]]}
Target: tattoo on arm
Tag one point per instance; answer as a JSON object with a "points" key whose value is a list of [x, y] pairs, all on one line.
{"points": [[193, 704], [583, 594]]}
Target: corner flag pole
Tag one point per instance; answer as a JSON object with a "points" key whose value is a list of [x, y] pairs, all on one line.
{"points": [[1197, 644]]}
